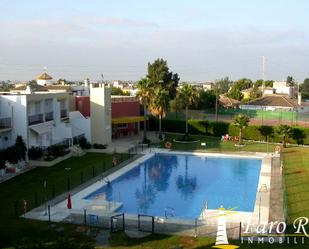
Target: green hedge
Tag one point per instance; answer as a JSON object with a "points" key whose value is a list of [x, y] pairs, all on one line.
{"points": [[217, 129]]}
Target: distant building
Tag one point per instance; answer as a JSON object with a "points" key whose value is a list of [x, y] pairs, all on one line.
{"points": [[276, 102], [228, 103], [282, 87], [44, 79]]}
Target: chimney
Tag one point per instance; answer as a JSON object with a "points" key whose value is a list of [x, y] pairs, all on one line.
{"points": [[299, 98]]}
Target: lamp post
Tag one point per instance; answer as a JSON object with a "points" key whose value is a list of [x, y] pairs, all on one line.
{"points": [[45, 197], [217, 107]]}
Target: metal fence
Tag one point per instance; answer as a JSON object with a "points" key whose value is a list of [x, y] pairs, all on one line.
{"points": [[258, 117], [51, 192]]}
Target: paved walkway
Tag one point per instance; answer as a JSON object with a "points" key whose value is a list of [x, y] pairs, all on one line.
{"points": [[122, 145]]}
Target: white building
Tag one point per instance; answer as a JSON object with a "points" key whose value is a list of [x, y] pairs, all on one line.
{"points": [[44, 79], [282, 87], [101, 114], [41, 118]]}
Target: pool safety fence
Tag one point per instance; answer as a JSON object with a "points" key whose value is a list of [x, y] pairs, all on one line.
{"points": [[141, 223], [53, 191]]}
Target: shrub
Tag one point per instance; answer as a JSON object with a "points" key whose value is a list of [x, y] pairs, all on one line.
{"points": [[35, 153], [57, 150], [298, 135], [219, 128], [82, 142], [99, 146], [2, 159], [87, 146], [12, 154], [21, 147]]}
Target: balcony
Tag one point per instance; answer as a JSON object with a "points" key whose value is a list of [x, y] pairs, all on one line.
{"points": [[5, 123], [35, 119], [64, 113], [49, 116]]}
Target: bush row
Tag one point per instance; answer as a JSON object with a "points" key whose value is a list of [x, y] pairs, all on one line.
{"points": [[300, 135]]}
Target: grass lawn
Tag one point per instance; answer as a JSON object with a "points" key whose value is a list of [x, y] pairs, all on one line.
{"points": [[29, 186], [296, 161], [214, 144]]}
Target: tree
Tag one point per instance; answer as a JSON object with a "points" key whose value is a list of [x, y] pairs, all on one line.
{"points": [[305, 89], [266, 131], [285, 131], [290, 80], [235, 93], [268, 83], [223, 85], [159, 105], [164, 88], [144, 94], [118, 91], [255, 93], [241, 121], [206, 99], [238, 86], [21, 147], [160, 76], [188, 94], [298, 135]]}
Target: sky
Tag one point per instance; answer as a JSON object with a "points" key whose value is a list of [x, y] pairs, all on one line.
{"points": [[201, 40]]}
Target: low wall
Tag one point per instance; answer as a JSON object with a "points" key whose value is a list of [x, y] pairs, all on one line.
{"points": [[35, 163]]}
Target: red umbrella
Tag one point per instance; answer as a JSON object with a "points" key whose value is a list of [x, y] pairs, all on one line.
{"points": [[69, 204]]}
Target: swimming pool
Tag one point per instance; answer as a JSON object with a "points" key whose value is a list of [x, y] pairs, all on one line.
{"points": [[181, 184]]}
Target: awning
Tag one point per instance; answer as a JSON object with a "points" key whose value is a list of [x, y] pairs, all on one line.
{"points": [[127, 120], [40, 129]]}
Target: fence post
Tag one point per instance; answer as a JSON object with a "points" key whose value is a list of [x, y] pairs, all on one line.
{"points": [[53, 191], [123, 225], [85, 217], [16, 208], [152, 225], [68, 183], [81, 177], [240, 230], [49, 213], [36, 199], [103, 166]]}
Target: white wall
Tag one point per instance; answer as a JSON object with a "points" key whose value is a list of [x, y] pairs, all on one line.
{"points": [[80, 125], [100, 112], [17, 105]]}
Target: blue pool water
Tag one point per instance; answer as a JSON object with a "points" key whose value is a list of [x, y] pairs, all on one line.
{"points": [[182, 184]]}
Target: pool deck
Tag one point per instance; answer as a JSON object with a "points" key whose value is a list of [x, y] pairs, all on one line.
{"points": [[264, 210]]}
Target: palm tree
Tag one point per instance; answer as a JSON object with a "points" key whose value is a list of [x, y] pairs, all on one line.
{"points": [[188, 95], [241, 121], [284, 131], [144, 93], [159, 105]]}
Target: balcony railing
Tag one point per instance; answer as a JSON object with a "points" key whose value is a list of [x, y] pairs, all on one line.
{"points": [[35, 119], [5, 123], [49, 116], [63, 113]]}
